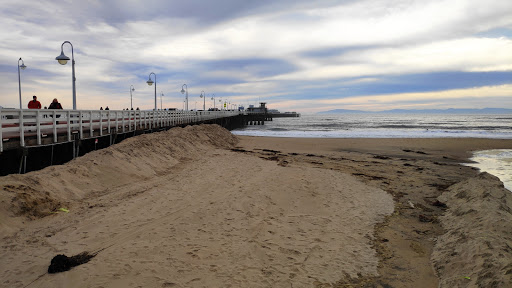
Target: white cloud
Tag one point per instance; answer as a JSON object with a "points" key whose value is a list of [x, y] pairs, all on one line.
{"points": [[478, 97], [392, 37]]}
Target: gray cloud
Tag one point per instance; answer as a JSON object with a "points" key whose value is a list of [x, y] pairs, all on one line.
{"points": [[280, 50]]}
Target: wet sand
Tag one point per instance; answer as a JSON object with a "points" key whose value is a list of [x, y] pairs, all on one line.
{"points": [[199, 207], [416, 172]]}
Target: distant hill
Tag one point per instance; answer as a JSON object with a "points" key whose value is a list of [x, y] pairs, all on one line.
{"points": [[426, 111]]}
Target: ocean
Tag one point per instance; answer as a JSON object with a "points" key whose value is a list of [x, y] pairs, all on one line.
{"points": [[376, 125]]}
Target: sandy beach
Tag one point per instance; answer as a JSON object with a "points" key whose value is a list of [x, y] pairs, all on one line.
{"points": [[200, 207]]}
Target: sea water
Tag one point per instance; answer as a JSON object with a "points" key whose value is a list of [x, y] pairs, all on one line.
{"points": [[378, 125], [497, 162]]}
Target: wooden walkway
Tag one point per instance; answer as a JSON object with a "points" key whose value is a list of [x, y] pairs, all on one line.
{"points": [[27, 127]]}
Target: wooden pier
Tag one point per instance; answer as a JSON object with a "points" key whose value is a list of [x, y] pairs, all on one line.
{"points": [[34, 139]]}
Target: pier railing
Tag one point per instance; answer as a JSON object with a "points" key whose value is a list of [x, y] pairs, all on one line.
{"points": [[61, 125]]}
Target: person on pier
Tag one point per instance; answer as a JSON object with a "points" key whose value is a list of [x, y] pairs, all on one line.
{"points": [[55, 104], [34, 104]]}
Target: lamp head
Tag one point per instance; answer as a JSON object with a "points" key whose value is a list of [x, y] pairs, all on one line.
{"points": [[133, 89], [63, 59], [182, 91], [150, 82], [22, 66]]}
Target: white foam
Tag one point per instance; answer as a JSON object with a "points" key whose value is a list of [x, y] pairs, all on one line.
{"points": [[372, 133]]}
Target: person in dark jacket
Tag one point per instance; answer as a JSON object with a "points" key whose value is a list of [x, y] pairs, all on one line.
{"points": [[55, 104]]}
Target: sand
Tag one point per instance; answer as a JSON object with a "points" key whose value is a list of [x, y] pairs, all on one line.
{"points": [[199, 207], [479, 234]]}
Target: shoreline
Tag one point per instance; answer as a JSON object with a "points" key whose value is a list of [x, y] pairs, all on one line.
{"points": [[197, 206], [460, 147], [415, 171]]}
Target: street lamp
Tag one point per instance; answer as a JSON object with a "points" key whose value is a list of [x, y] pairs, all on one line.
{"points": [[150, 82], [63, 59], [131, 98], [204, 99], [161, 95], [213, 98], [186, 95], [22, 66]]}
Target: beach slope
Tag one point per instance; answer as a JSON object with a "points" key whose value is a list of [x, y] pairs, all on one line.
{"points": [[185, 208]]}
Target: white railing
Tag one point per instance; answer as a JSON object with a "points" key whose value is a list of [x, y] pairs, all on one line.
{"points": [[39, 123]]}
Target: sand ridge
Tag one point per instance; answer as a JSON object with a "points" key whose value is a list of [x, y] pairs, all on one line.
{"points": [[476, 250], [185, 211]]}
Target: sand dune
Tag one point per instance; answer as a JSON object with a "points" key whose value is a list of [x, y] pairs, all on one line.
{"points": [[476, 250], [199, 207], [180, 209]]}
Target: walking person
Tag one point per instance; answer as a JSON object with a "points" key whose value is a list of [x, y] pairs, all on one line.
{"points": [[55, 105], [34, 104]]}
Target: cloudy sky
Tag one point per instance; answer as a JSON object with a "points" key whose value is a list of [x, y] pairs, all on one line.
{"points": [[305, 56]]}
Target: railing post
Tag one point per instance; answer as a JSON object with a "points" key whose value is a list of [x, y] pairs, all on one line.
{"points": [[68, 115], [117, 122], [130, 119], [38, 128], [140, 119], [108, 122], [80, 122], [91, 130], [22, 129], [101, 123], [123, 121]]}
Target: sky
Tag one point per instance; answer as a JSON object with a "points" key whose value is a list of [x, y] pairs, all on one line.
{"points": [[304, 56]]}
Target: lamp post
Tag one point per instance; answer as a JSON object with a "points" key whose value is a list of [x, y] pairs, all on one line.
{"points": [[131, 98], [204, 99], [186, 95], [161, 95], [150, 82], [63, 59], [22, 66], [213, 98]]}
